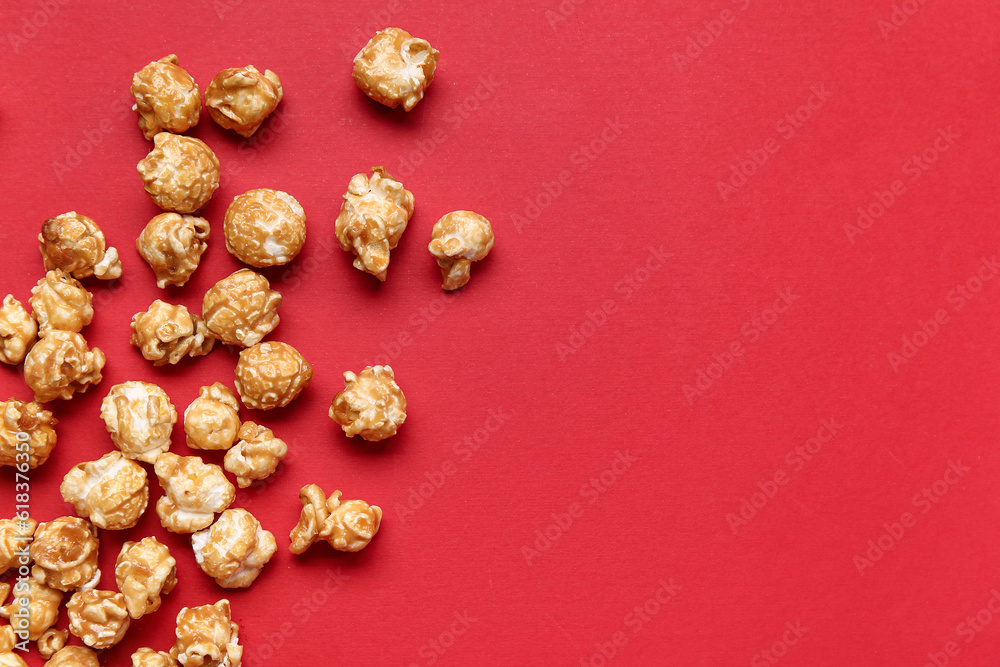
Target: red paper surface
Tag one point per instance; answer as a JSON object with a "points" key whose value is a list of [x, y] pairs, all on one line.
{"points": [[651, 351]]}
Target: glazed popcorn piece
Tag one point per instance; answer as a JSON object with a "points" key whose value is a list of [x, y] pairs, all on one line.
{"points": [[372, 219], [240, 98], [60, 302], [395, 68], [181, 173], [212, 421], [74, 656], [147, 657], [348, 526], [145, 571], [52, 640], [194, 491], [457, 240], [65, 554], [371, 404], [15, 537], [166, 333], [75, 244], [98, 618], [271, 375], [140, 419], [30, 418], [42, 603], [61, 364], [8, 642], [256, 455], [112, 492], [18, 330], [166, 97], [207, 637], [241, 308], [172, 244], [234, 550], [265, 227]]}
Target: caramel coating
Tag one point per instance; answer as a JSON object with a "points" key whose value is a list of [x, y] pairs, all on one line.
{"points": [[166, 97], [181, 173], [194, 491], [98, 617], [241, 98], [371, 404], [74, 656], [9, 658], [29, 418], [172, 244], [42, 603], [75, 244], [265, 227], [271, 375], [166, 333], [256, 455], [18, 330], [145, 571], [241, 308], [212, 421], [60, 302], [112, 491], [140, 419], [207, 637], [395, 68], [235, 549], [15, 537], [65, 554], [372, 219], [51, 641], [457, 240], [61, 364], [348, 526], [147, 657]]}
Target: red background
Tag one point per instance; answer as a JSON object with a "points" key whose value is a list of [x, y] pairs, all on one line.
{"points": [[517, 339]]}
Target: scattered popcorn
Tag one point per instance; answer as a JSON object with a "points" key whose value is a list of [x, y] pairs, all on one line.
{"points": [[18, 330], [371, 404], [271, 375], [347, 526], [256, 455], [457, 240], [145, 571], [147, 657], [42, 604], [395, 68], [140, 419], [166, 97], [31, 419], [75, 244], [52, 640], [241, 98], [60, 302], [65, 554], [212, 421], [98, 617], [166, 333], [194, 491], [181, 173], [74, 656], [241, 309], [235, 549], [172, 244], [112, 492], [61, 364], [372, 219], [265, 227], [15, 537], [207, 637]]}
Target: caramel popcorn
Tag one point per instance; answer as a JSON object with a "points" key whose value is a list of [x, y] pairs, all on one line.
{"points": [[207, 637], [271, 375], [145, 570], [65, 554], [371, 404], [29, 418], [241, 308], [212, 421], [166, 333], [98, 618], [240, 98], [235, 549], [372, 218], [60, 302], [42, 603], [112, 492], [9, 658], [172, 244], [193, 492], [166, 97], [256, 455], [458, 240], [52, 640], [140, 419], [61, 364], [74, 656], [75, 244], [147, 657], [18, 331], [265, 227], [181, 173], [395, 68], [348, 526], [15, 536]]}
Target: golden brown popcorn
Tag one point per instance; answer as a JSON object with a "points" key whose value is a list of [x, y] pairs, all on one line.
{"points": [[112, 491], [271, 375], [395, 68], [42, 605], [60, 302], [75, 244], [74, 656], [61, 364], [51, 641], [181, 173], [194, 491], [145, 570], [256, 455], [147, 657], [15, 537], [18, 330], [212, 421], [166, 97], [37, 425], [372, 219], [371, 404], [98, 617], [172, 244], [8, 641], [207, 637], [457, 240], [235, 549], [348, 526], [265, 227], [241, 308], [140, 419], [240, 98], [65, 554], [166, 333]]}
